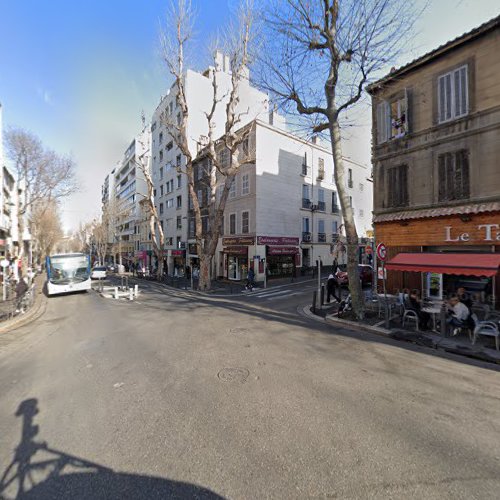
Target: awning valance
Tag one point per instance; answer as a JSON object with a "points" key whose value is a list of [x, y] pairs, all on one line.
{"points": [[469, 264]]}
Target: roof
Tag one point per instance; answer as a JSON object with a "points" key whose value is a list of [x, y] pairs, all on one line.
{"points": [[493, 206], [484, 28], [467, 264]]}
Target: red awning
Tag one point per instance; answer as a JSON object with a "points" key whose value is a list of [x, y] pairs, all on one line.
{"points": [[469, 264]]}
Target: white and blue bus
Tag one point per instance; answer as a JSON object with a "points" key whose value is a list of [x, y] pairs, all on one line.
{"points": [[68, 272]]}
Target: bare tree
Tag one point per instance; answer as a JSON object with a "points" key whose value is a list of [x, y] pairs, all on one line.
{"points": [[99, 238], [47, 228], [42, 175], [221, 173], [319, 57]]}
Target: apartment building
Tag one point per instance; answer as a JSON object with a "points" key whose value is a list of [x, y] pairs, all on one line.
{"points": [[172, 195], [283, 209], [436, 150], [129, 189]]}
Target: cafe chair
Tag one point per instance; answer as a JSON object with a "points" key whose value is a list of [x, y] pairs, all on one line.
{"points": [[407, 314], [487, 328]]}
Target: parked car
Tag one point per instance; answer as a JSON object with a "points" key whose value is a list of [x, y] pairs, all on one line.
{"points": [[365, 275], [98, 273]]}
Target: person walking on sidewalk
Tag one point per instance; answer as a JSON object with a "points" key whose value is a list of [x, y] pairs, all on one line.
{"points": [[250, 279], [331, 286]]}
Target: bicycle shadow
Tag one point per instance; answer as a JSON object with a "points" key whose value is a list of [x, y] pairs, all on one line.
{"points": [[38, 471]]}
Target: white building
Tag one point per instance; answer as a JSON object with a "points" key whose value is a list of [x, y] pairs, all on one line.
{"points": [[283, 208], [171, 187]]}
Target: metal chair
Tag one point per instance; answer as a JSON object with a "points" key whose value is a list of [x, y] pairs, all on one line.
{"points": [[487, 328], [407, 313]]}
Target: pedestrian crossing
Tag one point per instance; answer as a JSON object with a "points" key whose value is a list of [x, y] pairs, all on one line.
{"points": [[273, 294]]}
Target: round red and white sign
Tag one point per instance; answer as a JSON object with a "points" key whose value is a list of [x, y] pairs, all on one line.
{"points": [[381, 251]]}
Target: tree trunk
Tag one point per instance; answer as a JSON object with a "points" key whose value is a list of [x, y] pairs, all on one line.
{"points": [[205, 264], [349, 223]]}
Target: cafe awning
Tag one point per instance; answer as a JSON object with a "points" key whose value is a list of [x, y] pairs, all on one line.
{"points": [[469, 264]]}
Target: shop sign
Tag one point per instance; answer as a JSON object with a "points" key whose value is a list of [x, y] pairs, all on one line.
{"points": [[238, 240], [277, 240], [141, 254], [282, 250], [236, 250], [482, 233], [177, 253]]}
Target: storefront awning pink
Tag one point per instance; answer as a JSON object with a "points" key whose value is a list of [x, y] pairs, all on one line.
{"points": [[469, 264]]}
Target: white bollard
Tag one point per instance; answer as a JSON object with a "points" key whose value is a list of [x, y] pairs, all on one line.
{"points": [[131, 293], [136, 291], [116, 292]]}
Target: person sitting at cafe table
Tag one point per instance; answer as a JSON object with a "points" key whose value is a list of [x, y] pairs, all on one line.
{"points": [[465, 297], [459, 314], [416, 305]]}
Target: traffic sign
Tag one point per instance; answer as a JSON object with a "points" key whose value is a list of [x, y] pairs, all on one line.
{"points": [[381, 252]]}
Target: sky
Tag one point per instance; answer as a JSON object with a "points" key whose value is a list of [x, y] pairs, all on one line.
{"points": [[79, 73]]}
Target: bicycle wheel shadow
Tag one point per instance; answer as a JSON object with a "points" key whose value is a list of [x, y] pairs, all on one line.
{"points": [[38, 471]]}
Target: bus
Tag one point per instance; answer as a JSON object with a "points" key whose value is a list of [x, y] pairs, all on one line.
{"points": [[68, 272]]}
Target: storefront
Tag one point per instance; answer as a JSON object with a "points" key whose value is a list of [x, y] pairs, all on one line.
{"points": [[282, 262], [178, 259], [236, 256], [440, 254]]}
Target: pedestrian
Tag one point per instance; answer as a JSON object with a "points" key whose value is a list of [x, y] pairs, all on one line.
{"points": [[21, 289], [331, 287], [250, 279]]}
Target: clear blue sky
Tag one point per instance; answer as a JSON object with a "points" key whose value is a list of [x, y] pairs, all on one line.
{"points": [[79, 72]]}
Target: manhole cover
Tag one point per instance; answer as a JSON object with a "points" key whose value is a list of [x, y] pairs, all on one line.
{"points": [[233, 374], [238, 330]]}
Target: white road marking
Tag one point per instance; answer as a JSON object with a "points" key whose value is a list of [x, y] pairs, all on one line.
{"points": [[289, 295]]}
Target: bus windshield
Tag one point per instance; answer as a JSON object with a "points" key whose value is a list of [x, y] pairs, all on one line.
{"points": [[69, 269]]}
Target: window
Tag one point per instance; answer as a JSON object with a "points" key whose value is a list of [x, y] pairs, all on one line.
{"points": [[200, 172], [244, 146], [179, 181], [171, 185], [179, 222], [232, 224], [170, 203], [397, 186], [169, 241], [190, 203], [191, 228], [245, 184], [179, 201], [161, 208], [321, 200], [224, 158], [305, 168], [335, 227], [161, 155], [244, 222], [350, 201], [321, 226], [160, 138], [161, 172], [321, 169], [178, 161], [305, 224], [453, 174], [232, 189], [199, 194], [305, 191], [169, 146], [349, 178], [392, 118], [179, 119], [219, 192], [453, 98], [178, 243], [335, 207], [161, 190], [222, 226]]}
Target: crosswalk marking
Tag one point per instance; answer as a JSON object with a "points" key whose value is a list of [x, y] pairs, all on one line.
{"points": [[277, 297], [269, 293]]}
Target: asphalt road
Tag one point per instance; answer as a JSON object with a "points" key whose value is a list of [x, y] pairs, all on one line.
{"points": [[180, 397]]}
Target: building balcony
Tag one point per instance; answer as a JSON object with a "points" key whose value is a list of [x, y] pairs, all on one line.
{"points": [[321, 237], [306, 237], [306, 203], [350, 184], [335, 237], [335, 209], [321, 206]]}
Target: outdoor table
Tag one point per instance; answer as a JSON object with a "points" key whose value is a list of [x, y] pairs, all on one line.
{"points": [[433, 310]]}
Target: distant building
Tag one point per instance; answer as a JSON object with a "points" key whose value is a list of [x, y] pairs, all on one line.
{"points": [[436, 150], [283, 209]]}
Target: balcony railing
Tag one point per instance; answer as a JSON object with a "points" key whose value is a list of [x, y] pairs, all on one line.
{"points": [[306, 237], [305, 169], [306, 203], [335, 209], [335, 237], [321, 206], [322, 237]]}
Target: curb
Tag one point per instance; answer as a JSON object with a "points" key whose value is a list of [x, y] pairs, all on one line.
{"points": [[33, 314]]}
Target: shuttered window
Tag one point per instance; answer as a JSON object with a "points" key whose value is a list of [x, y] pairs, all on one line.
{"points": [[397, 186], [453, 94], [453, 173]]}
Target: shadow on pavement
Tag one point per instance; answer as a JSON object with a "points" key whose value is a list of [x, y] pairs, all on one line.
{"points": [[38, 471]]}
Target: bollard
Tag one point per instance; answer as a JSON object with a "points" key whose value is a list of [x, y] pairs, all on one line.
{"points": [[130, 293], [136, 291], [116, 292], [322, 295], [315, 295]]}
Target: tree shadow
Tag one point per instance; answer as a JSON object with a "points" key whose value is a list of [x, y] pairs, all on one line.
{"points": [[41, 472]]}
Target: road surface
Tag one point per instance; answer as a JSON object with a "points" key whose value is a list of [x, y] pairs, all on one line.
{"points": [[176, 396]]}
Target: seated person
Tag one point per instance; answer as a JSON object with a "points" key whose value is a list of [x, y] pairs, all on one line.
{"points": [[459, 314], [465, 297], [415, 304]]}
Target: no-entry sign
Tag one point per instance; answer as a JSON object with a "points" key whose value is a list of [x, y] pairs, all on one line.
{"points": [[381, 251]]}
